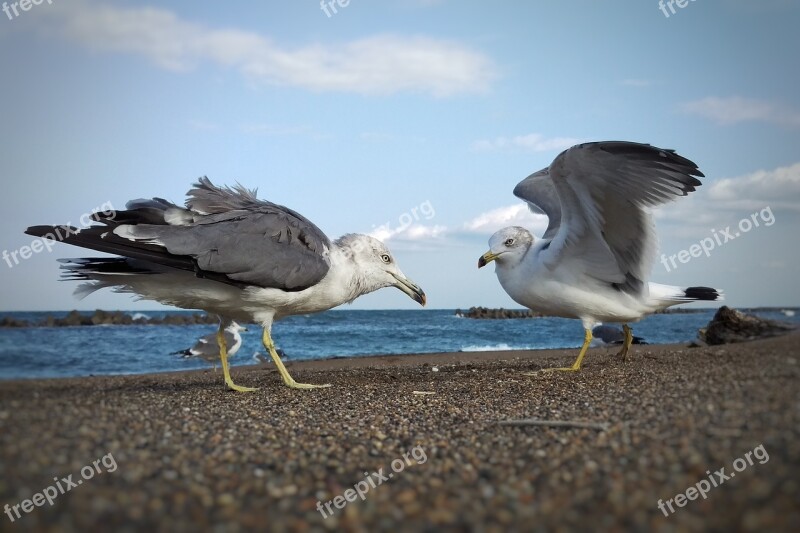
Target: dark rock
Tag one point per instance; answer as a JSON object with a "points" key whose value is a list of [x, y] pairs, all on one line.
{"points": [[184, 320], [73, 318], [730, 325], [11, 322], [111, 317], [486, 313], [115, 318]]}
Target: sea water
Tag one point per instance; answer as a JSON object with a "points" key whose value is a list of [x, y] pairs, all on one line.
{"points": [[38, 352]]}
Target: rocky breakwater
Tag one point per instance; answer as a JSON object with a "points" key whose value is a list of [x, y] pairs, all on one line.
{"points": [[486, 313], [115, 318]]}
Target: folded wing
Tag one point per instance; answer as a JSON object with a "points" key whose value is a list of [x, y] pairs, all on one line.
{"points": [[226, 235]]}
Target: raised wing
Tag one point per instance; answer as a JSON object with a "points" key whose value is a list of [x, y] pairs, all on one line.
{"points": [[540, 193], [604, 190]]}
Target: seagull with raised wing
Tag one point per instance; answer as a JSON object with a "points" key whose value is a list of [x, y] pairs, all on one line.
{"points": [[594, 259], [207, 347], [229, 253]]}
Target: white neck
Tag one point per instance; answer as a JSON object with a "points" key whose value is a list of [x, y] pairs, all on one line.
{"points": [[344, 282]]}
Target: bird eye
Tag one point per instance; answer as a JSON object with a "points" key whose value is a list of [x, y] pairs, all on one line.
{"points": [[386, 258], [509, 242]]}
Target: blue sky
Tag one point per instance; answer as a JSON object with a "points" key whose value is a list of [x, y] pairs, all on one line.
{"points": [[399, 111]]}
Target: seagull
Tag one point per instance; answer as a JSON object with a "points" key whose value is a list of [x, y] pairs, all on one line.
{"points": [[231, 254], [207, 347], [593, 261], [605, 335]]}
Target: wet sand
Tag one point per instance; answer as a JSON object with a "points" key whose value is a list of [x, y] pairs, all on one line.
{"points": [[192, 456]]}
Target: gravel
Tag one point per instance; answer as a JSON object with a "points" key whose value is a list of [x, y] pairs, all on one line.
{"points": [[191, 455]]}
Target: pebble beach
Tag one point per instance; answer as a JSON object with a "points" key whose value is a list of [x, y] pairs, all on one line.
{"points": [[435, 442]]}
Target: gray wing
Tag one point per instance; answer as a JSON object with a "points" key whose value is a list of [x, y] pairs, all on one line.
{"points": [[206, 198], [608, 334], [267, 246], [605, 189], [245, 239], [232, 238], [206, 347], [540, 193]]}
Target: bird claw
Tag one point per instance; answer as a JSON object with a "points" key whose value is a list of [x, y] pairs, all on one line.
{"points": [[239, 388], [295, 385], [562, 369]]}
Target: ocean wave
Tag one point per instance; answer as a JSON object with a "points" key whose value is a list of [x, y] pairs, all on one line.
{"points": [[486, 348], [139, 316]]}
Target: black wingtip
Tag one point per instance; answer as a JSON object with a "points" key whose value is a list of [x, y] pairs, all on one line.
{"points": [[41, 231], [643, 150], [702, 293]]}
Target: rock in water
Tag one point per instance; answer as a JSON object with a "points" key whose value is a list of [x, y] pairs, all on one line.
{"points": [[485, 313], [730, 325]]}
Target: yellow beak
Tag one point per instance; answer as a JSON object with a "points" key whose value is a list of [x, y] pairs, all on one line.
{"points": [[486, 258]]}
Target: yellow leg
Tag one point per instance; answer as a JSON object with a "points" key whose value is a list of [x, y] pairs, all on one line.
{"points": [[627, 342], [287, 379], [587, 339], [223, 356]]}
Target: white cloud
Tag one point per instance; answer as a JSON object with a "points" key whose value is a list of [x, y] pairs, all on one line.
{"points": [[411, 232], [778, 188], [727, 200], [511, 215], [736, 109], [533, 142], [380, 64], [483, 224]]}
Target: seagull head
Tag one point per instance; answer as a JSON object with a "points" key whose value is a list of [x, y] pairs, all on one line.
{"points": [[236, 327], [376, 267], [507, 246]]}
